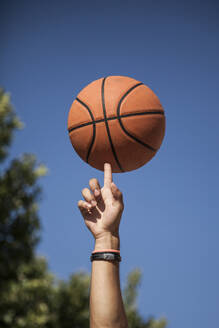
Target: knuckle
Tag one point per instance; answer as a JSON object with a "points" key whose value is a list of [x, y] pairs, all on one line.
{"points": [[80, 203], [120, 194], [118, 189], [119, 197], [121, 205]]}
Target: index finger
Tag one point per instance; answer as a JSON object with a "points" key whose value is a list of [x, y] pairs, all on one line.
{"points": [[107, 175]]}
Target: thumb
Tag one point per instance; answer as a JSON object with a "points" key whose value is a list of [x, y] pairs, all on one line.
{"points": [[117, 194]]}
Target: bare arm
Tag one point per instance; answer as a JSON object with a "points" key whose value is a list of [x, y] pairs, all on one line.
{"points": [[102, 210]]}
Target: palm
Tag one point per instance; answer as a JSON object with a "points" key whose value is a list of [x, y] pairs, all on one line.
{"points": [[106, 215]]}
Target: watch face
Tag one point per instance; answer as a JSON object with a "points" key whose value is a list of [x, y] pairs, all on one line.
{"points": [[109, 257], [106, 257]]}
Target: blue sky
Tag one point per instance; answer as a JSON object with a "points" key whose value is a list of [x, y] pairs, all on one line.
{"points": [[50, 50]]}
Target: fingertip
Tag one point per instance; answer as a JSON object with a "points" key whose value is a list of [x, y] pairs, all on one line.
{"points": [[94, 184], [114, 186], [106, 165], [116, 192], [84, 205], [114, 189], [96, 192], [93, 203]]}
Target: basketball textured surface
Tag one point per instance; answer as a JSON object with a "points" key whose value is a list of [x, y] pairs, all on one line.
{"points": [[117, 120]]}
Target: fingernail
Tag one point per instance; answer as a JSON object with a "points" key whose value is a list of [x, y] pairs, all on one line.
{"points": [[96, 192], [93, 202], [89, 205]]}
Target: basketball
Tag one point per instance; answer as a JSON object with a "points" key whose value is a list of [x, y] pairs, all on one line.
{"points": [[116, 120]]}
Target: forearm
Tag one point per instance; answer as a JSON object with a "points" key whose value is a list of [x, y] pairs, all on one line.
{"points": [[102, 209], [106, 305]]}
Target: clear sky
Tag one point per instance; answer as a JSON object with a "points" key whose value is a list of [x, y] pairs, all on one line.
{"points": [[49, 51]]}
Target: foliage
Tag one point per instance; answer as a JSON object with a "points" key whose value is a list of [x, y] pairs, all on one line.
{"points": [[28, 300], [19, 222], [8, 122], [31, 297], [73, 302], [130, 302]]}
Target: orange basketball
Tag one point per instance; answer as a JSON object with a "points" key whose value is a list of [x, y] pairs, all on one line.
{"points": [[116, 120]]}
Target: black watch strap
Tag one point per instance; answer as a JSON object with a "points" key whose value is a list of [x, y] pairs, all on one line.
{"points": [[105, 256]]}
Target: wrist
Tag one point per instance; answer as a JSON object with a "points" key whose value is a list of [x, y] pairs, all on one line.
{"points": [[107, 241]]}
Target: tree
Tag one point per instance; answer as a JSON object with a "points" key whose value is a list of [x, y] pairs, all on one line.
{"points": [[28, 300], [73, 302], [19, 192], [130, 301], [30, 296], [19, 221]]}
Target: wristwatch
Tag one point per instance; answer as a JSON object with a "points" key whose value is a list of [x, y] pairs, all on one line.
{"points": [[105, 256]]}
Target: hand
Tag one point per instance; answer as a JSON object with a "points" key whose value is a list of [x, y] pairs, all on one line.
{"points": [[103, 207]]}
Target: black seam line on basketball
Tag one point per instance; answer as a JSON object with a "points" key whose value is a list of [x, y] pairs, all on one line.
{"points": [[94, 127], [148, 112], [107, 126], [121, 124]]}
